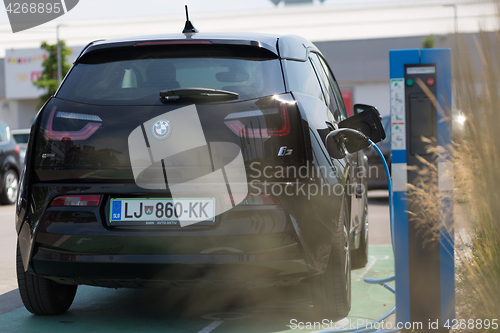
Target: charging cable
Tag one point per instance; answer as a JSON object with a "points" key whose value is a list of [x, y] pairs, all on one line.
{"points": [[368, 328]]}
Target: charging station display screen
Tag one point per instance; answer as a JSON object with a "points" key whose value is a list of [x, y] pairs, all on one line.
{"points": [[421, 70], [420, 85], [422, 118]]}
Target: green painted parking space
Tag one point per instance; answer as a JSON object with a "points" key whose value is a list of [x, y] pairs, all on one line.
{"points": [[283, 309]]}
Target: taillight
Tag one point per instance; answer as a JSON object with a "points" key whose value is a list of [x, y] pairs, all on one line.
{"points": [[17, 149], [93, 124], [77, 200], [264, 123]]}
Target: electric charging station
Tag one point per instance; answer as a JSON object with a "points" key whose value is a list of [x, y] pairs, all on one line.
{"points": [[425, 274]]}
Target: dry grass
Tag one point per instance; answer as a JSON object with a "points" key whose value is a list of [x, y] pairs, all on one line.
{"points": [[424, 190], [477, 178], [476, 163]]}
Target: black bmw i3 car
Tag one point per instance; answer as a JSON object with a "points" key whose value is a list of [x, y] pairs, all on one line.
{"points": [[217, 160]]}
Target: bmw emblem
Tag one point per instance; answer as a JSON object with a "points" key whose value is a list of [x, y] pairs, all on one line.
{"points": [[161, 129]]}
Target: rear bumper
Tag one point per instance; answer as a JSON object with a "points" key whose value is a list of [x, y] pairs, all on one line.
{"points": [[249, 245], [172, 271]]}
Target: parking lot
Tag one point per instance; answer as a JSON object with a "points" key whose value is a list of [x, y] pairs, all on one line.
{"points": [[197, 310]]}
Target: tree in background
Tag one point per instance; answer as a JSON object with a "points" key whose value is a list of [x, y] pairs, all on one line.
{"points": [[429, 42], [48, 79]]}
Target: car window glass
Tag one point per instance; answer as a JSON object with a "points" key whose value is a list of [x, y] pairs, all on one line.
{"points": [[302, 78], [335, 86], [4, 133], [334, 112], [137, 78], [340, 99]]}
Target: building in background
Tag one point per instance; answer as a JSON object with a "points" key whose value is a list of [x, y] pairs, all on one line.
{"points": [[355, 39], [19, 98]]}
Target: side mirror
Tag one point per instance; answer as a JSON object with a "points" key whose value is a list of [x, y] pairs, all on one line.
{"points": [[339, 141], [366, 119], [358, 108]]}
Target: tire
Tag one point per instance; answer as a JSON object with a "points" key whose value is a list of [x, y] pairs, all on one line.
{"points": [[10, 188], [359, 256], [42, 296], [331, 291]]}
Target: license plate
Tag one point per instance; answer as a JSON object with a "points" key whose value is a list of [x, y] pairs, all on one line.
{"points": [[161, 211]]}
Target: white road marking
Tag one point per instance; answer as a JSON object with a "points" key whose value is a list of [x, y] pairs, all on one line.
{"points": [[372, 260], [211, 326], [222, 315], [218, 318]]}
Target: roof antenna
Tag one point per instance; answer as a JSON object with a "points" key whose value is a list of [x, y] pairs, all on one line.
{"points": [[188, 28]]}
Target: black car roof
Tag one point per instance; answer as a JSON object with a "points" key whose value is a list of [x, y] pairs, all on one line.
{"points": [[287, 46]]}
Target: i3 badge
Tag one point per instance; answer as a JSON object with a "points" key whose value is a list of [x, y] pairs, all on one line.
{"points": [[161, 129]]}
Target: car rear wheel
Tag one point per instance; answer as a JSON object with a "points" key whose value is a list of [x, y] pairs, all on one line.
{"points": [[359, 256], [42, 296], [331, 291], [10, 187]]}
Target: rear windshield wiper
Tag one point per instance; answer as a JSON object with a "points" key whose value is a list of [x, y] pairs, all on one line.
{"points": [[196, 93]]}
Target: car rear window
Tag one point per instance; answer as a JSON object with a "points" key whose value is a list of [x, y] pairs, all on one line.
{"points": [[136, 75]]}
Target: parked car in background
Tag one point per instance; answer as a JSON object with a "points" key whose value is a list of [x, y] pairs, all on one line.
{"points": [[376, 177], [10, 166], [22, 137]]}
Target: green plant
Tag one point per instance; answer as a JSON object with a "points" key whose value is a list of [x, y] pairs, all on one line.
{"points": [[48, 79], [429, 42]]}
